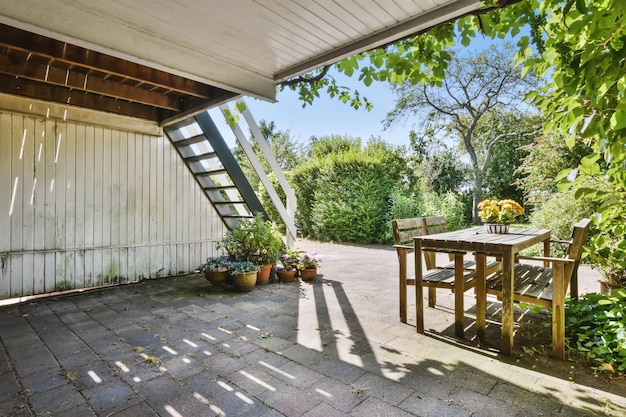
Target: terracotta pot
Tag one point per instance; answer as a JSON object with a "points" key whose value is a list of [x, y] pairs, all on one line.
{"points": [[263, 276], [497, 228], [216, 276], [308, 274], [604, 287], [245, 282], [286, 276]]}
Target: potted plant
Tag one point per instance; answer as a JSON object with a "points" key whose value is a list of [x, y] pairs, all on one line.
{"points": [[288, 263], [499, 214], [308, 263], [268, 240], [216, 270], [244, 275], [237, 242], [255, 240]]}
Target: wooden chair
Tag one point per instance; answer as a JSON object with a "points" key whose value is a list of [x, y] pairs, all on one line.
{"points": [[547, 286], [437, 277]]}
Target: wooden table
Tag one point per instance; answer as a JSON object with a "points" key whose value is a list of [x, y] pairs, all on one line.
{"points": [[483, 244]]}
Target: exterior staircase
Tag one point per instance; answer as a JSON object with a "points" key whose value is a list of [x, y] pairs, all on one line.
{"points": [[206, 153], [202, 147]]}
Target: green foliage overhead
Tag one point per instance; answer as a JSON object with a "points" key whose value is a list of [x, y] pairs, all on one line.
{"points": [[585, 56], [578, 45]]}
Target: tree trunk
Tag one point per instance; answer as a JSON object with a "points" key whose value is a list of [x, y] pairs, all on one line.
{"points": [[478, 195]]}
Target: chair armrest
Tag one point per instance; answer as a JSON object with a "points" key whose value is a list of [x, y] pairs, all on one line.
{"points": [[408, 247], [563, 242], [547, 259], [450, 251]]}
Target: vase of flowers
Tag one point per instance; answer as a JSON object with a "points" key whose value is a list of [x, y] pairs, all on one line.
{"points": [[308, 263], [499, 214]]}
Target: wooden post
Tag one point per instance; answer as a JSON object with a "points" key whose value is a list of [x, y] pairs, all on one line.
{"points": [[419, 293], [481, 297], [558, 310], [402, 254], [459, 287], [507, 301]]}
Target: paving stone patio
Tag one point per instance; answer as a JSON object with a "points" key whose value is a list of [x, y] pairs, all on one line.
{"points": [[333, 347]]}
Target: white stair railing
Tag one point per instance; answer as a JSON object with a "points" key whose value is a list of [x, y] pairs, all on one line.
{"points": [[287, 214]]}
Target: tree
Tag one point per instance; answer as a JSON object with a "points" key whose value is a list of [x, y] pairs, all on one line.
{"points": [[326, 145], [438, 166], [577, 44], [503, 174], [282, 145], [478, 100], [544, 159]]}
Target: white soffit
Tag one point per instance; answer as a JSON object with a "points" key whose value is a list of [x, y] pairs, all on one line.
{"points": [[245, 46]]}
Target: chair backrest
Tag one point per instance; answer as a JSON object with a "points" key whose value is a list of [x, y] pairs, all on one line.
{"points": [[435, 224], [405, 229], [575, 249]]}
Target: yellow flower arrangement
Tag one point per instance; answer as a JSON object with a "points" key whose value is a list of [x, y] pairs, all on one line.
{"points": [[499, 211]]}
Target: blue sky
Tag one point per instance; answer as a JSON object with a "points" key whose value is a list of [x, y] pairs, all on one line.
{"points": [[330, 116]]}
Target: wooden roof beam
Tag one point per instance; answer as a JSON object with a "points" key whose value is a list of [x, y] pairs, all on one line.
{"points": [[74, 55], [92, 84], [27, 88]]}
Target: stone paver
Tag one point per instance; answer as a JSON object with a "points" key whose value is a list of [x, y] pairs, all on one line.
{"points": [[332, 347]]}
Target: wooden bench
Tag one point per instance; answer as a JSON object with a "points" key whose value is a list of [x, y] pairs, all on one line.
{"points": [[437, 277], [547, 286]]}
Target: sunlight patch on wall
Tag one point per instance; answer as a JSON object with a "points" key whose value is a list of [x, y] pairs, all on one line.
{"points": [[56, 153], [23, 143], [32, 193], [13, 196]]}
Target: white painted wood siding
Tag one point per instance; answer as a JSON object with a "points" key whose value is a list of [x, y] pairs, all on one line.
{"points": [[84, 205]]}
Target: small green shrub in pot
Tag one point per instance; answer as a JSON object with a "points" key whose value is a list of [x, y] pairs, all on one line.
{"points": [[215, 263], [268, 240], [244, 275], [242, 267], [254, 239]]}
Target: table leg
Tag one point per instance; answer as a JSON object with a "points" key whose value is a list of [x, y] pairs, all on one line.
{"points": [[459, 287], [507, 302], [419, 291], [402, 255], [481, 296], [546, 252]]}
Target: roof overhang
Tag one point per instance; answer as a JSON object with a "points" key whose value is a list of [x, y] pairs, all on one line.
{"points": [[242, 47]]}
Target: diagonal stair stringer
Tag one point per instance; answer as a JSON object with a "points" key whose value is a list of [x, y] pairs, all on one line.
{"points": [[205, 152]]}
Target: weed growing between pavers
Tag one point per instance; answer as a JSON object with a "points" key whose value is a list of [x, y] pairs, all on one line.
{"points": [[70, 376]]}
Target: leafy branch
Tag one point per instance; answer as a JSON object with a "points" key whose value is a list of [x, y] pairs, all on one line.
{"points": [[420, 57]]}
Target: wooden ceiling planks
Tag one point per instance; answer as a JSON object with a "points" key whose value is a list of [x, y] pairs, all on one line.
{"points": [[43, 68]]}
